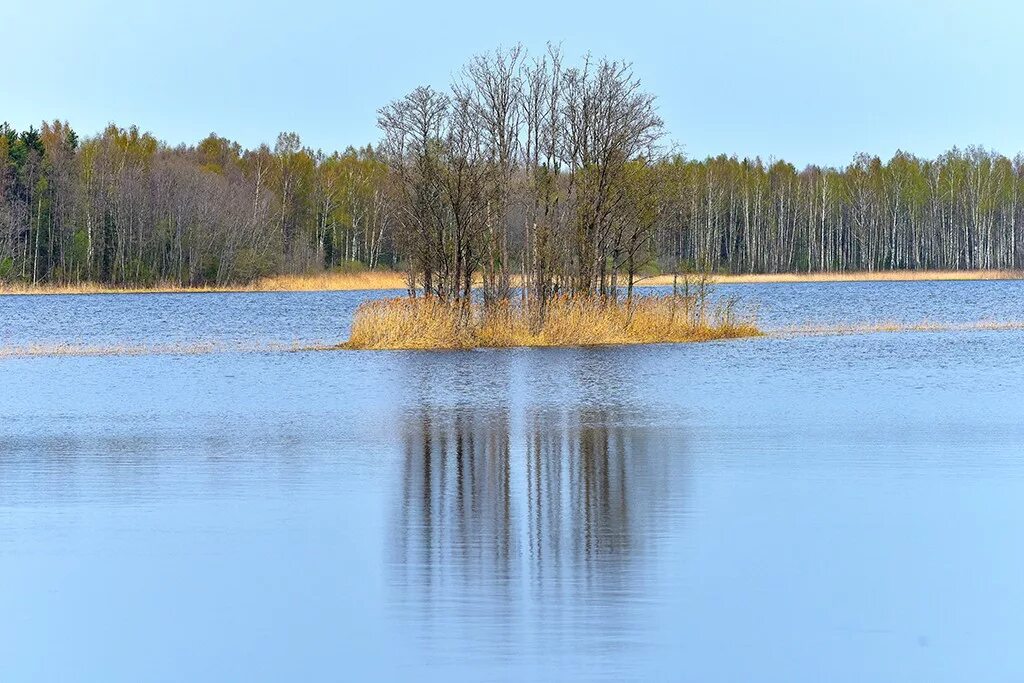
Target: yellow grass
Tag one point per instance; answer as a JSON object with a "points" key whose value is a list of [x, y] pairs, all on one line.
{"points": [[430, 324], [859, 276], [363, 280], [388, 279]]}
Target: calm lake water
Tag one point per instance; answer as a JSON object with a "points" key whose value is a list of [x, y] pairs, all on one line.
{"points": [[842, 508]]}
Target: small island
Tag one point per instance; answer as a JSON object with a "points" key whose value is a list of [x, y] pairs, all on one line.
{"points": [[429, 323]]}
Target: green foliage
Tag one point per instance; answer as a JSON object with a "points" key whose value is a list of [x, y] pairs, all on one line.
{"points": [[217, 154], [140, 273], [79, 252], [251, 265], [350, 266], [209, 269]]}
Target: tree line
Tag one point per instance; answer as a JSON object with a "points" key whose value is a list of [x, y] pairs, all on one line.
{"points": [[525, 169], [122, 208], [959, 211]]}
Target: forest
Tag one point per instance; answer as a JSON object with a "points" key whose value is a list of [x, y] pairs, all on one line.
{"points": [[525, 169]]}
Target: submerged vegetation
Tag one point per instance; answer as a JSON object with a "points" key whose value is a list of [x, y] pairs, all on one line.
{"points": [[741, 328], [899, 326]]}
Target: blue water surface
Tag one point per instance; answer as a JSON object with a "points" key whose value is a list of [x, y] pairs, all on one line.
{"points": [[841, 508]]}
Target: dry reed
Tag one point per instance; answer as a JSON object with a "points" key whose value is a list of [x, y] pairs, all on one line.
{"points": [[362, 280], [857, 276], [582, 321], [389, 279]]}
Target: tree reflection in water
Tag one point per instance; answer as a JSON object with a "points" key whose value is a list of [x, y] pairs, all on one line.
{"points": [[535, 519]]}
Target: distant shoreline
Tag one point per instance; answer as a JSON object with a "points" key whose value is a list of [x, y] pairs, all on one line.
{"points": [[852, 276], [375, 280], [393, 280]]}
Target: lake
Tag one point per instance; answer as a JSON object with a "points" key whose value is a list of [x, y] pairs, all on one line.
{"points": [[795, 508]]}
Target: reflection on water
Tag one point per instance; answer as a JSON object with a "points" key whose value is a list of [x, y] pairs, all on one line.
{"points": [[830, 508], [528, 518]]}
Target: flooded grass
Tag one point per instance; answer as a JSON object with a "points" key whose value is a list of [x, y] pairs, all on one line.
{"points": [[45, 350], [896, 326], [583, 321], [403, 324]]}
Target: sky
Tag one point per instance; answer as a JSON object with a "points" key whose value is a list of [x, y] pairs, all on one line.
{"points": [[809, 82]]}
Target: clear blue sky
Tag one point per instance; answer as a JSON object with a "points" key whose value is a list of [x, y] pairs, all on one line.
{"points": [[804, 81]]}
